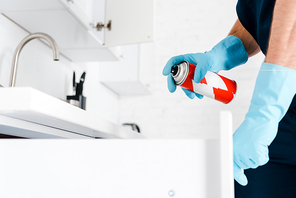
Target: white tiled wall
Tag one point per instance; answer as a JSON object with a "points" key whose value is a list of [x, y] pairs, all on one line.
{"points": [[187, 26]]}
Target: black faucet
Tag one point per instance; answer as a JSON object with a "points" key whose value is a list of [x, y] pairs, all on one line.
{"points": [[78, 92]]}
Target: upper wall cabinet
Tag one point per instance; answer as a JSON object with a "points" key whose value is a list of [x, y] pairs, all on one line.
{"points": [[86, 30]]}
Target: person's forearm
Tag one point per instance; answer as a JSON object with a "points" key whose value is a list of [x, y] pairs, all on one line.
{"points": [[249, 42], [282, 42]]}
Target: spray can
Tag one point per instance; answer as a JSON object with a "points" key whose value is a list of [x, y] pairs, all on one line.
{"points": [[212, 85]]}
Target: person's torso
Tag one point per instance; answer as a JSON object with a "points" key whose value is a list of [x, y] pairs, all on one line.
{"points": [[256, 17]]}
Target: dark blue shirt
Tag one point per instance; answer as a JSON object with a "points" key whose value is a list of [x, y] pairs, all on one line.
{"points": [[256, 17]]}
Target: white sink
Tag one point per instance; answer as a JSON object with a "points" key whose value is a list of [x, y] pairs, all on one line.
{"points": [[30, 105]]}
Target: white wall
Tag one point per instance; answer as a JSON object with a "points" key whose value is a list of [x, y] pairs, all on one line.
{"points": [[37, 69], [181, 27], [186, 26], [101, 101]]}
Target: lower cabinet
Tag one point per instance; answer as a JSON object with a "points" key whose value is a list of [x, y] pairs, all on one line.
{"points": [[104, 168]]}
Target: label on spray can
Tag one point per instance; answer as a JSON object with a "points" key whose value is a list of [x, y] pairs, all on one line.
{"points": [[212, 85]]}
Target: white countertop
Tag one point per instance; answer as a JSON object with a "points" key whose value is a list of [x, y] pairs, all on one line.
{"points": [[27, 107]]}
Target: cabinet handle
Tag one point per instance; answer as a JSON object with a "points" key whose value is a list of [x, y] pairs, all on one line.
{"points": [[99, 26]]}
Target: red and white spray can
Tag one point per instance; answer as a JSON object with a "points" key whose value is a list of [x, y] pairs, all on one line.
{"points": [[212, 85]]}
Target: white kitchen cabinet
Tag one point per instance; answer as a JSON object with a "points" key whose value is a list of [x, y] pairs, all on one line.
{"points": [[103, 168], [124, 77], [132, 21], [71, 23], [143, 168]]}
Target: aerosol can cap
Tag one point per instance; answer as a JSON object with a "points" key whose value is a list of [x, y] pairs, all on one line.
{"points": [[180, 72]]}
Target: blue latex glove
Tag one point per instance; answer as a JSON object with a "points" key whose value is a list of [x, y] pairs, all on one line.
{"points": [[274, 90], [228, 53]]}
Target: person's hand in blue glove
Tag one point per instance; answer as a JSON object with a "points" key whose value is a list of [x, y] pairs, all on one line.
{"points": [[274, 90], [227, 54]]}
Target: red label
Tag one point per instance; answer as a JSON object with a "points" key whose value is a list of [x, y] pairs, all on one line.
{"points": [[225, 96], [221, 95]]}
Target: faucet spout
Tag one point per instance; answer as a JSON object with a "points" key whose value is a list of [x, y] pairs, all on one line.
{"points": [[17, 52]]}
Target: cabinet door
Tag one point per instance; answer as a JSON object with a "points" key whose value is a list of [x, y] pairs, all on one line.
{"points": [[131, 21], [103, 169]]}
